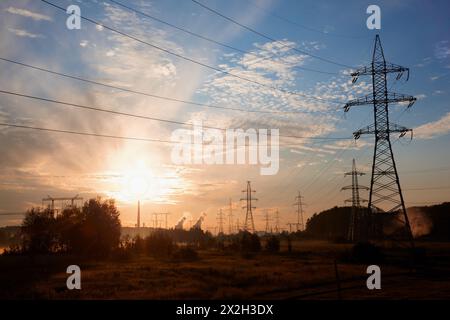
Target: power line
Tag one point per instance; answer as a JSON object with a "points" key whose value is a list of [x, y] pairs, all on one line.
{"points": [[217, 42], [86, 107], [84, 133], [266, 36], [302, 26], [195, 61], [92, 134], [148, 94]]}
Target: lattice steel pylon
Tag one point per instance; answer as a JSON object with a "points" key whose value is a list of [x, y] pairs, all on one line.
{"points": [[356, 219], [249, 207], [299, 204], [385, 189], [220, 221]]}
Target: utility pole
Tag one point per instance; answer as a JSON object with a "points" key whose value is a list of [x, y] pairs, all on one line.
{"points": [[155, 219], [356, 219], [277, 221], [249, 207], [385, 187], [165, 214], [220, 221], [290, 224], [157, 223], [299, 205], [230, 218], [267, 220]]}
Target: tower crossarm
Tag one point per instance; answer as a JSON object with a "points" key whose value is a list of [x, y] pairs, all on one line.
{"points": [[391, 97], [351, 200], [380, 68], [354, 187], [392, 128], [359, 173]]}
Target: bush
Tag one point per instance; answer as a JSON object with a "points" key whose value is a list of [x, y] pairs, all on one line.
{"points": [[159, 244], [249, 242], [273, 244]]}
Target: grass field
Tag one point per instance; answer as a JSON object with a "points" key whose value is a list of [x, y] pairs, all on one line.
{"points": [[306, 273]]}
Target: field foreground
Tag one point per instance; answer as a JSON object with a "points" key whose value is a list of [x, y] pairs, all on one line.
{"points": [[306, 273]]}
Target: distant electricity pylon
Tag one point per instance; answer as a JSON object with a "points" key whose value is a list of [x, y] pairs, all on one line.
{"points": [[277, 222], [385, 187], [356, 219], [230, 218], [165, 214], [157, 223], [267, 220], [51, 201], [249, 208], [299, 204], [220, 221], [290, 224]]}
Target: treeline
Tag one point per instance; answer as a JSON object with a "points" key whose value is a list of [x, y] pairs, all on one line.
{"points": [[92, 230], [428, 222], [183, 244]]}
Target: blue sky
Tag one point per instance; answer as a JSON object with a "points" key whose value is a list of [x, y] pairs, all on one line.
{"points": [[414, 34]]}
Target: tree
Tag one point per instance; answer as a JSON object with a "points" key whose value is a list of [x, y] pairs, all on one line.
{"points": [[273, 244], [99, 230], [38, 232], [91, 230], [249, 242]]}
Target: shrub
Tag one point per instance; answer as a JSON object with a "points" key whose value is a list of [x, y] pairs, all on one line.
{"points": [[159, 244], [249, 242], [273, 244]]}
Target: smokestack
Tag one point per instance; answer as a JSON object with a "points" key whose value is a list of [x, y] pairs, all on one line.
{"points": [[139, 215]]}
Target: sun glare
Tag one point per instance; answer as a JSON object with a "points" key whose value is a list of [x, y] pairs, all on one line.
{"points": [[138, 183]]}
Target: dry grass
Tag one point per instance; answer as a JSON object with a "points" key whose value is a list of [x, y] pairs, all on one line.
{"points": [[308, 272]]}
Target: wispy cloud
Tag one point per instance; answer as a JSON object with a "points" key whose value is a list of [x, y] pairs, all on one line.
{"points": [[25, 33], [442, 49], [434, 129], [29, 14]]}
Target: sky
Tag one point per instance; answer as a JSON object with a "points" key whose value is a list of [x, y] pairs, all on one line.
{"points": [[35, 164]]}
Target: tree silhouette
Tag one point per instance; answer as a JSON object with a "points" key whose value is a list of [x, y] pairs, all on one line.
{"points": [[38, 232]]}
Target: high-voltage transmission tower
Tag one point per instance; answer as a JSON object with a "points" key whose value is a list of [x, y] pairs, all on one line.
{"points": [[299, 203], [356, 219], [277, 222], [230, 218], [220, 221], [385, 187], [267, 219], [249, 223], [51, 203]]}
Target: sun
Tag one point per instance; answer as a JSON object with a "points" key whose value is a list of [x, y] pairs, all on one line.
{"points": [[134, 176], [138, 183]]}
